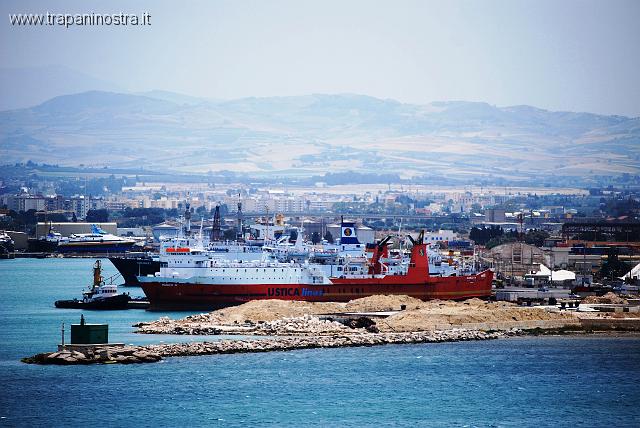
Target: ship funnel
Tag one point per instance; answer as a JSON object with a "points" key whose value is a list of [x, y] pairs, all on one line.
{"points": [[348, 233], [419, 258], [379, 251], [97, 230]]}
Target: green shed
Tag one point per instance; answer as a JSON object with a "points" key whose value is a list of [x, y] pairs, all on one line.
{"points": [[89, 333]]}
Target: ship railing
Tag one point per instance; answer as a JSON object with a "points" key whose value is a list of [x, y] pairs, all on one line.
{"points": [[112, 278]]}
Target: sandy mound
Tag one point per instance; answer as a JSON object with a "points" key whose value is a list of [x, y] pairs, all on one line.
{"points": [[270, 310], [609, 298], [274, 309], [380, 302], [435, 314], [418, 315]]}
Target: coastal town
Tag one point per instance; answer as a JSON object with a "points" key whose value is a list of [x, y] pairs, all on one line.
{"points": [[524, 234]]}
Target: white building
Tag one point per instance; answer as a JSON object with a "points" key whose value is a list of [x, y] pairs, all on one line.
{"points": [[440, 236]]}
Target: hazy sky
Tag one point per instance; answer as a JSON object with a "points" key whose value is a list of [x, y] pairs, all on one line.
{"points": [[559, 55]]}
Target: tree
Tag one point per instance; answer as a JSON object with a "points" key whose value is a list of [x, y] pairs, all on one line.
{"points": [[482, 236], [536, 237], [97, 216], [329, 237], [315, 238], [74, 218]]}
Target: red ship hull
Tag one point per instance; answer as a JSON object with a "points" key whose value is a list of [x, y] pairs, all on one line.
{"points": [[178, 296]]}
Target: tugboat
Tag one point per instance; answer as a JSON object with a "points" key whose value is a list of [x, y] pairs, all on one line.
{"points": [[99, 296]]}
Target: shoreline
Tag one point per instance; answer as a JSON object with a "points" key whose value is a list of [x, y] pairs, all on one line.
{"points": [[108, 354], [118, 354], [369, 321]]}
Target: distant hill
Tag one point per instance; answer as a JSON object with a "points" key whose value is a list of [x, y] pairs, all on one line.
{"points": [[312, 134], [176, 98], [29, 86]]}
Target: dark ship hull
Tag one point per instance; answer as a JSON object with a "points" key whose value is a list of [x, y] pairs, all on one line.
{"points": [[132, 266], [120, 301], [41, 245], [94, 247]]}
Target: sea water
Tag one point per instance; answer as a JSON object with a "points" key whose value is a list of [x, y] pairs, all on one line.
{"points": [[530, 381]]}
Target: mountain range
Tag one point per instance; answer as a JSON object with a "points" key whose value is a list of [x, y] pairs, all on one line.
{"points": [[312, 134]]}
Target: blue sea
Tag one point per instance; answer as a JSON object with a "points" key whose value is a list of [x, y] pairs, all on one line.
{"points": [[532, 381]]}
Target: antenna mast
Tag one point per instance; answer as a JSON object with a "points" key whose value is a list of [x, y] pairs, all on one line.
{"points": [[187, 217], [239, 234], [215, 228]]}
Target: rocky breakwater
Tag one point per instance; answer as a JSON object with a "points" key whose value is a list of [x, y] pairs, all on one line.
{"points": [[291, 343], [305, 325], [301, 333], [152, 353], [295, 325], [97, 355]]}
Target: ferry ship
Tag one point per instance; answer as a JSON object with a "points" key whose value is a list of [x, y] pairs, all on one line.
{"points": [[98, 241], [135, 264], [193, 279]]}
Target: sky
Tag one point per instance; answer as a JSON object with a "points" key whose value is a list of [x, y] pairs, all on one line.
{"points": [[558, 55]]}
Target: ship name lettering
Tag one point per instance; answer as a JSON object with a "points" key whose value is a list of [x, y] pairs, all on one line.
{"points": [[283, 291]]}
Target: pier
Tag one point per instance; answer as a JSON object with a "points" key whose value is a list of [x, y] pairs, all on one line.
{"points": [[109, 354]]}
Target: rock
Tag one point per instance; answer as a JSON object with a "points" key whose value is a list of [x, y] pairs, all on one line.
{"points": [[362, 322], [126, 359]]}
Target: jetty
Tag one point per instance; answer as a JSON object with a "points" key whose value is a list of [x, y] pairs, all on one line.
{"points": [[278, 325], [107, 354]]}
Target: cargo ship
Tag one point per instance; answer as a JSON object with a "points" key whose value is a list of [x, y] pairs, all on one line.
{"points": [[192, 279], [132, 265]]}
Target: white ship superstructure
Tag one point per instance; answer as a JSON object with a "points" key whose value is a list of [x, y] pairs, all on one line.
{"points": [[202, 267]]}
